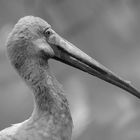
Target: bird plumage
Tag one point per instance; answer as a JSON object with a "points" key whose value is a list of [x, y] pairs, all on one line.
{"points": [[51, 119]]}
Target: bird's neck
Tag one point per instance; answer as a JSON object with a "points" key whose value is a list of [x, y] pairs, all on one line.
{"points": [[51, 106]]}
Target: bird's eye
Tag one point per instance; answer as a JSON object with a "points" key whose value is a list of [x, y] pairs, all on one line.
{"points": [[47, 32]]}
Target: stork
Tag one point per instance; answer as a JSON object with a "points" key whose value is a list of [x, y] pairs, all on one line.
{"points": [[30, 45]]}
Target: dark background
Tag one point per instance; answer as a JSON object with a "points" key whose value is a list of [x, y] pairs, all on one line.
{"points": [[109, 31]]}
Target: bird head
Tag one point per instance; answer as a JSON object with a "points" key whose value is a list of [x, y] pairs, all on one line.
{"points": [[28, 40], [32, 38]]}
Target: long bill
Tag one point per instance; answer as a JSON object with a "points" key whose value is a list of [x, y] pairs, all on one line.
{"points": [[71, 55]]}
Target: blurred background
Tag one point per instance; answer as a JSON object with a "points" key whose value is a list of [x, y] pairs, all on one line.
{"points": [[107, 30]]}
